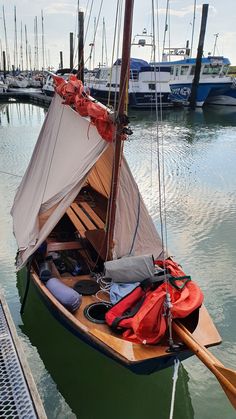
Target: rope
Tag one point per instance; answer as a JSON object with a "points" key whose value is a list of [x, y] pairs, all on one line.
{"points": [[113, 51], [137, 224], [174, 378], [10, 174]]}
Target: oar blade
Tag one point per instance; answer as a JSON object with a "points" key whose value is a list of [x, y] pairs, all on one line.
{"points": [[225, 376], [229, 374], [230, 396]]}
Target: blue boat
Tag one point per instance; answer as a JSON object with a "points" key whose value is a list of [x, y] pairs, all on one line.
{"points": [[214, 85]]}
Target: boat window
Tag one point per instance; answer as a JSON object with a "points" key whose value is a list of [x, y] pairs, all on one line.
{"points": [[184, 70], [152, 86], [177, 71], [209, 69], [97, 75], [172, 70], [192, 72], [225, 69], [133, 75]]}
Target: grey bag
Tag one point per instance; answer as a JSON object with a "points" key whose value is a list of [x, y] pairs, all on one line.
{"points": [[130, 269]]}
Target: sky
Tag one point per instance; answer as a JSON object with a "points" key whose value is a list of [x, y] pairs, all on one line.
{"points": [[60, 18]]}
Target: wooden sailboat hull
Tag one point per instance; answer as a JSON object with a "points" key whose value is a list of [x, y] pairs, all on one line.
{"points": [[138, 358]]}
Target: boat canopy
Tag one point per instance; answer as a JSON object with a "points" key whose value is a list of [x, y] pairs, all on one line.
{"points": [[69, 154], [135, 63], [192, 61]]}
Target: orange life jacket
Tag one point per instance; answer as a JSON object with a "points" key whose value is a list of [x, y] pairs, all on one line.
{"points": [[141, 315]]}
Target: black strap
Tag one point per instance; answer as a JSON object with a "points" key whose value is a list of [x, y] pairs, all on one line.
{"points": [[185, 279], [128, 313]]}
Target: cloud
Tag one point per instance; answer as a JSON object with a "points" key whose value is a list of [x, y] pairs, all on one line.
{"points": [[185, 11], [56, 8]]}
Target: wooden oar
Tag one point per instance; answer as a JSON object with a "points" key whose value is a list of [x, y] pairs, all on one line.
{"points": [[225, 376]]}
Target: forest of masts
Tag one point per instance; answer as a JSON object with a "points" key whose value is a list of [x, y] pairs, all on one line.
{"points": [[25, 56]]}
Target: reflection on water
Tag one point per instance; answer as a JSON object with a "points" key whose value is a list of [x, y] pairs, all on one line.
{"points": [[92, 384], [199, 151]]}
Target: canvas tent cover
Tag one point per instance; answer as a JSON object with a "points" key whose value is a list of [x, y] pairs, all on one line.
{"points": [[68, 153]]}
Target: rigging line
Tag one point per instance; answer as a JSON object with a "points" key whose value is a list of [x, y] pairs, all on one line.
{"points": [[75, 32], [157, 137], [95, 31], [116, 96], [89, 17], [10, 174], [86, 32], [162, 144], [174, 378], [137, 223], [166, 27], [165, 241], [113, 50], [193, 27]]}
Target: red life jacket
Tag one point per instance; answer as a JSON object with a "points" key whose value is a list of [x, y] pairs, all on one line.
{"points": [[140, 315]]}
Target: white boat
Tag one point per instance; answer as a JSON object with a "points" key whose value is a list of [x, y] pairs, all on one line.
{"points": [[18, 82], [148, 85], [48, 87]]}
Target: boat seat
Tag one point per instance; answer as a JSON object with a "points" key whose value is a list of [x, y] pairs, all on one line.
{"points": [[56, 246], [84, 218], [88, 225]]}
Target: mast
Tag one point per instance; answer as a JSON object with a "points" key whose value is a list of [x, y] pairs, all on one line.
{"points": [[71, 50], [193, 27], [6, 43], [124, 80], [94, 35], [26, 49], [21, 47], [15, 42], [36, 44], [214, 48], [80, 74], [61, 60], [166, 28], [43, 50]]}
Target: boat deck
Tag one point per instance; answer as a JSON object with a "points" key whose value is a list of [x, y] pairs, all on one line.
{"points": [[18, 394]]}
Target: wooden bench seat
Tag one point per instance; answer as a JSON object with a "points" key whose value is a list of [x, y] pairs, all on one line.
{"points": [[84, 218], [88, 225]]}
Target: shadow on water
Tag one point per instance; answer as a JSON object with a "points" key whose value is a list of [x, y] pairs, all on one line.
{"points": [[94, 386]]}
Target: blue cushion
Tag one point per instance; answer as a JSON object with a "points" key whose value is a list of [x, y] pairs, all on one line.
{"points": [[67, 296]]}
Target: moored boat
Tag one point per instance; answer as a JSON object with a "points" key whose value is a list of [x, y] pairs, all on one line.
{"points": [[148, 85], [80, 223], [214, 80]]}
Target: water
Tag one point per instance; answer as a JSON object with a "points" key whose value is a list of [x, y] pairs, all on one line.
{"points": [[200, 187]]}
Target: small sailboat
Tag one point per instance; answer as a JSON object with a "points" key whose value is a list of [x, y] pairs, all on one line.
{"points": [[78, 211]]}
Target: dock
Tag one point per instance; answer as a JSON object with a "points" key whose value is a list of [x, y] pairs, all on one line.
{"points": [[19, 397], [24, 96]]}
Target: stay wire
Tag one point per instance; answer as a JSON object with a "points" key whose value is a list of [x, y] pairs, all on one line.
{"points": [[95, 33], [113, 50]]}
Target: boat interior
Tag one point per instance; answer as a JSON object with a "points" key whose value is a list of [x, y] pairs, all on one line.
{"points": [[79, 239]]}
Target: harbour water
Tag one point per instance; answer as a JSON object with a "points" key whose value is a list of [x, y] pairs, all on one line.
{"points": [[75, 381]]}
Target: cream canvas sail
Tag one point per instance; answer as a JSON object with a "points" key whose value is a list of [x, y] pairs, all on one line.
{"points": [[70, 153]]}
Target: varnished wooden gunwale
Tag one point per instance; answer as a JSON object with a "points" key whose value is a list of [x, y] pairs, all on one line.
{"points": [[101, 336], [87, 221]]}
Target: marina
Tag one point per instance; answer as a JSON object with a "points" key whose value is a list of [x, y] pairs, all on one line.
{"points": [[117, 248], [195, 143]]}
